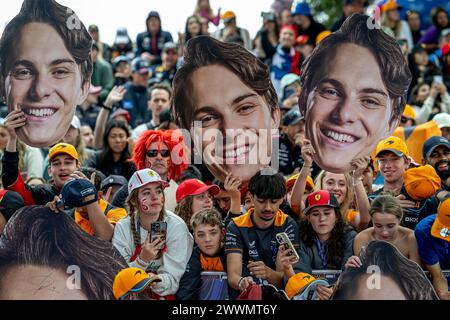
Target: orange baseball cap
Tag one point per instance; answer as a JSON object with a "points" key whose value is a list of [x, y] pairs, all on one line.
{"points": [[302, 286], [390, 5], [132, 280], [322, 36], [421, 182], [409, 112], [228, 15], [441, 226], [63, 148], [291, 181], [392, 144]]}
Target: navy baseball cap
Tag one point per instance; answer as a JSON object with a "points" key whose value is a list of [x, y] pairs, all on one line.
{"points": [[113, 180], [75, 192], [10, 202], [292, 117], [140, 65], [432, 143]]}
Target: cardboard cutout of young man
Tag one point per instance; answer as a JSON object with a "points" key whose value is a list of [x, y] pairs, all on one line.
{"points": [[224, 97], [354, 92], [45, 70]]}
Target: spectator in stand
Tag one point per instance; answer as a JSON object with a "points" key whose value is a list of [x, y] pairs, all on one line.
{"points": [[159, 100], [208, 255], [166, 71], [63, 161], [136, 95], [440, 20], [350, 7], [166, 257], [436, 152], [229, 198], [250, 244], [88, 111], [392, 25], [110, 185], [192, 196], [123, 45], [445, 61], [163, 152], [102, 74], [290, 154], [345, 187], [74, 138], [304, 20], [309, 188], [150, 43], [31, 161], [291, 88], [203, 9], [10, 202], [286, 59], [193, 29], [408, 118], [286, 17], [88, 135], [433, 238], [113, 157], [104, 51], [232, 33], [386, 213], [326, 241], [266, 40], [421, 68], [414, 22], [305, 45], [443, 122], [122, 70], [427, 100]]}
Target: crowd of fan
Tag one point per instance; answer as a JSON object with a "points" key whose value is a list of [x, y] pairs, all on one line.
{"points": [[121, 142]]}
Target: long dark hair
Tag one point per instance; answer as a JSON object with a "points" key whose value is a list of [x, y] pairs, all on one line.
{"points": [[406, 273], [336, 243], [37, 236], [106, 153], [187, 34]]}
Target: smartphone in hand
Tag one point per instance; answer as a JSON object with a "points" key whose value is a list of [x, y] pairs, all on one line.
{"points": [[158, 230], [283, 239]]}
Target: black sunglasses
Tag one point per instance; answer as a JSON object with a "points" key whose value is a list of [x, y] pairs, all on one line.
{"points": [[154, 153], [404, 120]]}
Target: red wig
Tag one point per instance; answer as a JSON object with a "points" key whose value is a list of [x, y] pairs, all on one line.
{"points": [[173, 139]]}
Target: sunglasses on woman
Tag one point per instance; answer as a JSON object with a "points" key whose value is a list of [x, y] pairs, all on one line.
{"points": [[154, 153]]}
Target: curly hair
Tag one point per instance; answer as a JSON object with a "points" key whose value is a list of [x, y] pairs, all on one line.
{"points": [[336, 243], [184, 209], [174, 142]]}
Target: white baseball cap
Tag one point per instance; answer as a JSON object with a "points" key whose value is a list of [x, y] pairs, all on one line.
{"points": [[76, 123], [442, 119], [144, 177]]}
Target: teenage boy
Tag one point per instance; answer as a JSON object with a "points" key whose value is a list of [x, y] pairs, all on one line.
{"points": [[251, 246]]}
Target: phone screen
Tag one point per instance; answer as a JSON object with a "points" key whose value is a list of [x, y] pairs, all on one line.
{"points": [[158, 231]]}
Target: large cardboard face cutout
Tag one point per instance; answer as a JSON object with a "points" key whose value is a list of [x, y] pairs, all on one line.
{"points": [[354, 91], [45, 70], [385, 274]]}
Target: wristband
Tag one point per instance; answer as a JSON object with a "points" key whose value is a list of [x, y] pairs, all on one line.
{"points": [[141, 262], [239, 282], [105, 107]]}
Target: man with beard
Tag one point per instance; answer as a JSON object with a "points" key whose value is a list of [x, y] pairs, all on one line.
{"points": [[250, 245], [436, 152]]}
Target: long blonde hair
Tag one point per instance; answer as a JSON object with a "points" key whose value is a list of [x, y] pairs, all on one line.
{"points": [[131, 204], [349, 197], [184, 209]]}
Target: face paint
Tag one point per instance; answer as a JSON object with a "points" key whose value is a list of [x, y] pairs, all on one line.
{"points": [[143, 205]]}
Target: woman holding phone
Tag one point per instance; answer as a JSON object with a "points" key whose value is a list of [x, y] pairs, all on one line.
{"points": [[138, 237]]}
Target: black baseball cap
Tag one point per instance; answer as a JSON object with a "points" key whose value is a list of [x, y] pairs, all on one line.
{"points": [[10, 202], [140, 65], [153, 14], [433, 143], [292, 117], [75, 192], [113, 180]]}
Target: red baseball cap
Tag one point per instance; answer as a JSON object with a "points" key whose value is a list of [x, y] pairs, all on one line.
{"points": [[321, 198], [193, 187]]}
